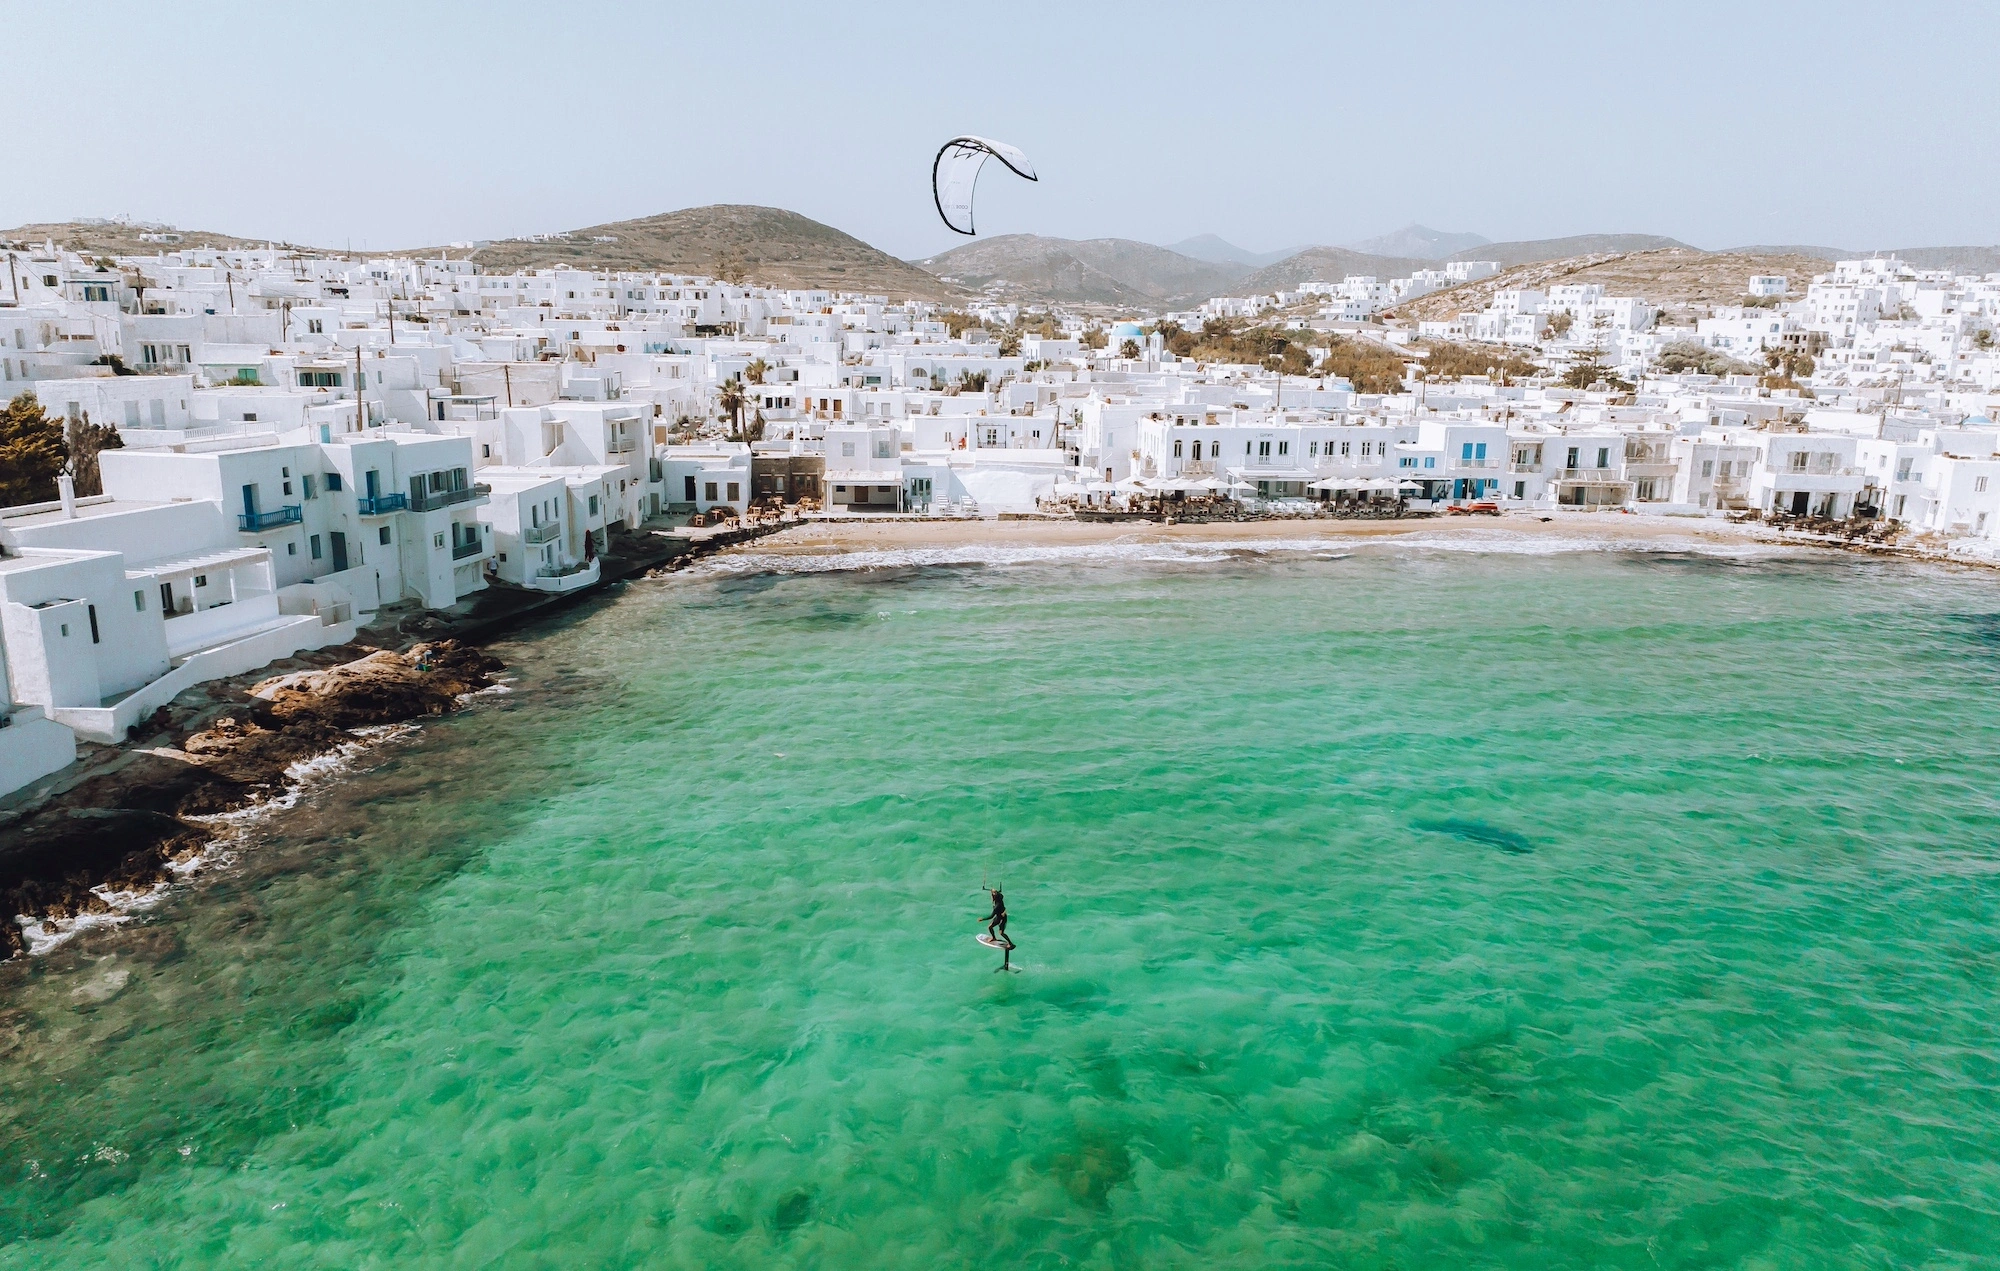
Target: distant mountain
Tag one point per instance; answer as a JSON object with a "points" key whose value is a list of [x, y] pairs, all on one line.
{"points": [[1219, 251], [1117, 272], [766, 245], [1419, 243], [1328, 264], [1795, 249], [1527, 253]]}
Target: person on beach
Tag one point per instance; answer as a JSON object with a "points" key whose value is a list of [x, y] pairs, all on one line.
{"points": [[996, 922]]}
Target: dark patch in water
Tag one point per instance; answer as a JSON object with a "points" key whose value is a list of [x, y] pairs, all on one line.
{"points": [[1980, 628], [794, 1211], [1479, 832]]}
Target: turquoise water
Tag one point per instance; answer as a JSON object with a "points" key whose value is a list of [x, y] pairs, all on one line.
{"points": [[1405, 908]]}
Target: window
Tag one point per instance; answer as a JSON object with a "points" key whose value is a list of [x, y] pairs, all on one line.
{"points": [[314, 326], [437, 540], [1284, 447], [707, 491], [847, 450], [92, 611], [1572, 458], [306, 484], [287, 485], [1430, 461], [1177, 447], [291, 549], [1798, 461], [486, 452], [1604, 456], [333, 481], [139, 601], [201, 580], [1521, 490], [1263, 450], [1979, 485], [1708, 467], [382, 536], [593, 504], [734, 490], [312, 546]]}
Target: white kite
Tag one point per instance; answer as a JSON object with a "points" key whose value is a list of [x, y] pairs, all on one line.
{"points": [[956, 170]]}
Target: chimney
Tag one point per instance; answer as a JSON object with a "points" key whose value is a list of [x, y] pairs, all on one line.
{"points": [[66, 491]]}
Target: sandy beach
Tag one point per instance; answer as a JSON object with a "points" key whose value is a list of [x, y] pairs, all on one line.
{"points": [[859, 534]]}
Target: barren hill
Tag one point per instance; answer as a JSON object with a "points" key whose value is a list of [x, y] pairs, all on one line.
{"points": [[1114, 272], [1680, 278], [1420, 242], [765, 245], [115, 239], [1328, 264]]}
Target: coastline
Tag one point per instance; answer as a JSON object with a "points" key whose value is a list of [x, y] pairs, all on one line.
{"points": [[860, 536], [103, 837]]}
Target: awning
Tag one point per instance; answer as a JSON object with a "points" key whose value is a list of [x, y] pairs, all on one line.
{"points": [[1273, 474], [1353, 483], [205, 562]]}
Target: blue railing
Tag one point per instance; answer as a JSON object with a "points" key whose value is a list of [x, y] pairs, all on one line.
{"points": [[382, 504], [254, 521]]}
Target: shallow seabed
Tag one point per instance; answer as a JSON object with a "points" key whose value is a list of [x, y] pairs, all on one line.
{"points": [[1376, 907]]}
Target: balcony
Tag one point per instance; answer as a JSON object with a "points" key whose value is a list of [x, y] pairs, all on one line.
{"points": [[251, 522], [1592, 476], [536, 535], [622, 445], [471, 547], [380, 504], [432, 500]]}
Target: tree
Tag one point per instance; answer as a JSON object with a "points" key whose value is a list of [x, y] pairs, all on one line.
{"points": [[1561, 323], [732, 400], [31, 452], [1129, 350], [86, 440], [756, 371]]}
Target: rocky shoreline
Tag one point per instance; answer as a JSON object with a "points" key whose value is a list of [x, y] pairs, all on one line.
{"points": [[124, 822], [123, 828]]}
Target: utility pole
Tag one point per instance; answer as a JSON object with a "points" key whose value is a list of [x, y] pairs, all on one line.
{"points": [[360, 419], [230, 279]]}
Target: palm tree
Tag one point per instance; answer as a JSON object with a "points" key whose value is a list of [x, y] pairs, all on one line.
{"points": [[732, 400], [756, 371]]}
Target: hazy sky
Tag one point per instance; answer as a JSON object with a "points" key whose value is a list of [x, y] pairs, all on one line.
{"points": [[407, 124]]}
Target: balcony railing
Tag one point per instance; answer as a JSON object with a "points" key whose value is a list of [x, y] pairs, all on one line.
{"points": [[535, 535], [471, 547], [290, 514], [431, 500], [1601, 476], [381, 504], [622, 445]]}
